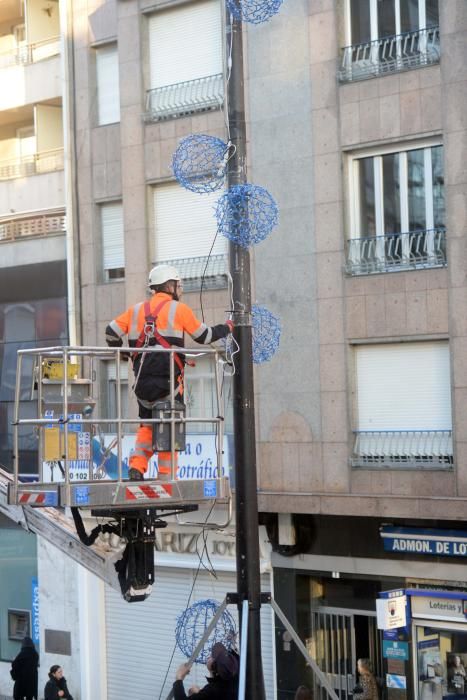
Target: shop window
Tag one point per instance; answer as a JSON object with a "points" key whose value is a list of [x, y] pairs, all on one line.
{"points": [[442, 663], [397, 211], [18, 572], [403, 411]]}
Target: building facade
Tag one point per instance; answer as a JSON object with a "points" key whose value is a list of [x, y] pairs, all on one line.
{"points": [[363, 111]]}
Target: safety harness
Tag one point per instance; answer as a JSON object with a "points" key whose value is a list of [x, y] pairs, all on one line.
{"points": [[150, 331]]}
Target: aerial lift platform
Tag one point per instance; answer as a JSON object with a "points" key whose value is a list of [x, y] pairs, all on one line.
{"points": [[68, 422]]}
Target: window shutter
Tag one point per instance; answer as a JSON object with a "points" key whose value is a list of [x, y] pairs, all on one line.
{"points": [[112, 370], [112, 236], [185, 43], [132, 642], [185, 225], [404, 386], [108, 91]]}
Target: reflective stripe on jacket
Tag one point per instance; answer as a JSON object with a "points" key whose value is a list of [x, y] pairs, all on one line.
{"points": [[173, 320]]}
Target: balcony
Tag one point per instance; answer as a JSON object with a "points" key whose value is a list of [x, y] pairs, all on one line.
{"points": [[375, 449], [396, 252], [209, 271], [35, 164], [25, 54], [182, 99], [32, 225], [390, 54]]}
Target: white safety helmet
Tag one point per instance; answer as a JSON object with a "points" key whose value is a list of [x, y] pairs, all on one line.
{"points": [[161, 274]]}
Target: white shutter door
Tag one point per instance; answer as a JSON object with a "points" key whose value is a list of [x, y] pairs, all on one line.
{"points": [[185, 225], [112, 236], [185, 43], [404, 386], [141, 636], [108, 91]]}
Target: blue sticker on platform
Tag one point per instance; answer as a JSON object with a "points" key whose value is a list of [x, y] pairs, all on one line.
{"points": [[50, 498], [210, 488], [81, 495]]}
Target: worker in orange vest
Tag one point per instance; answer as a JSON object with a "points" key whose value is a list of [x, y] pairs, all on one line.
{"points": [[162, 320]]}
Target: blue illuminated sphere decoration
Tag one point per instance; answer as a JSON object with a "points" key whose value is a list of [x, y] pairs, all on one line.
{"points": [[199, 163], [254, 11], [192, 624], [246, 214], [266, 334]]}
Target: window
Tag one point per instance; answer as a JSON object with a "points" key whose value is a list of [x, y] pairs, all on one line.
{"points": [[108, 91], [186, 64], [397, 211], [389, 35], [111, 393], [403, 411], [201, 396], [113, 252], [185, 229]]}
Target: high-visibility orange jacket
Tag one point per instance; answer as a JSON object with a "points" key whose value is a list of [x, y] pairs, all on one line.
{"points": [[173, 320]]}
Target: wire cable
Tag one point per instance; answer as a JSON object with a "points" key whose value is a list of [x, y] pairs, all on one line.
{"points": [[191, 590]]}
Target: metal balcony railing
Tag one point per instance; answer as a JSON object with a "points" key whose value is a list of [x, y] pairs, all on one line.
{"points": [[396, 252], [193, 270], [180, 99], [32, 225], [403, 448], [390, 54], [24, 54], [35, 164]]}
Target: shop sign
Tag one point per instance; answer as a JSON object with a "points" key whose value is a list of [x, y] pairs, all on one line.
{"points": [[183, 542], [393, 681], [406, 540], [35, 611], [197, 461], [395, 650], [391, 612], [439, 608]]}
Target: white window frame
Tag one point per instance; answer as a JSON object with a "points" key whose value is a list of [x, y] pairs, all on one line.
{"points": [[374, 19], [200, 381], [110, 390], [377, 153], [112, 273], [112, 115]]}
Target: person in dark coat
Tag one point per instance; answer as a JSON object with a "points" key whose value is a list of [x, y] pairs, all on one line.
{"points": [[24, 671], [221, 685], [56, 687]]}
